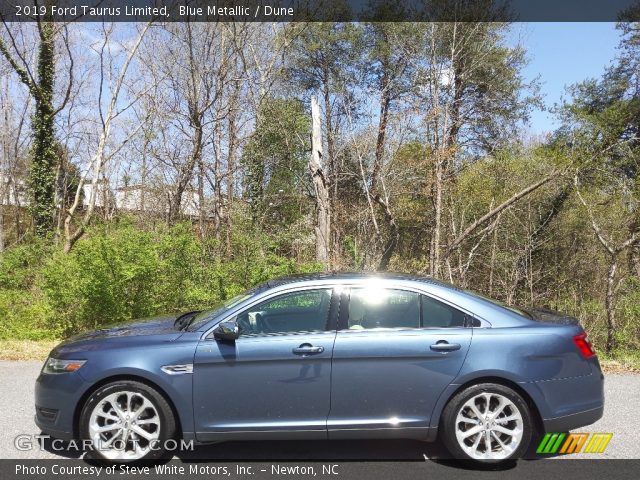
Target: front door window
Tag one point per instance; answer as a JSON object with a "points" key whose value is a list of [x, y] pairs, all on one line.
{"points": [[303, 311]]}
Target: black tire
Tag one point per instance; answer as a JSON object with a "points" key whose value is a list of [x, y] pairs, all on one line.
{"points": [[167, 427], [450, 413]]}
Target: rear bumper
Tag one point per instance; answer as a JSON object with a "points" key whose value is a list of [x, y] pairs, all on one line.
{"points": [[573, 421], [569, 403]]}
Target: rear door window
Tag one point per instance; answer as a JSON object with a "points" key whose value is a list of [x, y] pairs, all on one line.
{"points": [[383, 308], [436, 314]]}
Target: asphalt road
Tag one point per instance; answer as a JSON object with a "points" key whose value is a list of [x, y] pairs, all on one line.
{"points": [[17, 411]]}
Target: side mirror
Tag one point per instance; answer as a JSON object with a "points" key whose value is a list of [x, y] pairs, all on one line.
{"points": [[227, 331]]}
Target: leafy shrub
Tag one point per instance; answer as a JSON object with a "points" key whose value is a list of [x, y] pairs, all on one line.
{"points": [[24, 312], [119, 272], [25, 315]]}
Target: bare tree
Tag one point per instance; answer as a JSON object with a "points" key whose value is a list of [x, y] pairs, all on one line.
{"points": [[102, 155], [190, 104], [613, 250], [465, 107]]}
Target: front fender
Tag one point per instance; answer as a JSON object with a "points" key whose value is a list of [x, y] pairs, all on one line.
{"points": [[145, 364]]}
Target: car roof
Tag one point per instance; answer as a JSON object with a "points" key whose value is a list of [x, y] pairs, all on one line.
{"points": [[344, 276]]}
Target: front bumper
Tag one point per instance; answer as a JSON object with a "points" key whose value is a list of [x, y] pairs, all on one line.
{"points": [[56, 397]]}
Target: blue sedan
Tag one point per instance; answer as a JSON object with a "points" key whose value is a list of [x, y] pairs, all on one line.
{"points": [[326, 356]]}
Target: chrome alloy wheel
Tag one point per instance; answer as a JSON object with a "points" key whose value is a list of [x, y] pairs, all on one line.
{"points": [[489, 426], [124, 426]]}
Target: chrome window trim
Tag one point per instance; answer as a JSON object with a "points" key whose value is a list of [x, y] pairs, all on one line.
{"points": [[337, 288]]}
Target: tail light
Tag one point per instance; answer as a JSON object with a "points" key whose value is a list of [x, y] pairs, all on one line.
{"points": [[584, 345]]}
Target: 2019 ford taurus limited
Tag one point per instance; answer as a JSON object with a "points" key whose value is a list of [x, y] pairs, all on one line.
{"points": [[337, 356]]}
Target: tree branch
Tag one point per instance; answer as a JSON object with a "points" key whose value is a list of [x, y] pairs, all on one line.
{"points": [[596, 228], [495, 211]]}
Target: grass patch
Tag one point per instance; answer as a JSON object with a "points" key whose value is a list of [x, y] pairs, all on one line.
{"points": [[621, 362], [26, 349]]}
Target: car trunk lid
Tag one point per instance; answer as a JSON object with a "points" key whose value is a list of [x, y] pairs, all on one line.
{"points": [[550, 316]]}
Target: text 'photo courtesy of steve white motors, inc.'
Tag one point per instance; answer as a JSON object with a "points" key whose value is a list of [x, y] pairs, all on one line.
{"points": [[242, 471], [332, 239]]}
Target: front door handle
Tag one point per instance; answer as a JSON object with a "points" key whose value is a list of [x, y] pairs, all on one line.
{"points": [[307, 349], [444, 346]]}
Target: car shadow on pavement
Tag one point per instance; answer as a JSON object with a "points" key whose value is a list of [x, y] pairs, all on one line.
{"points": [[313, 450], [59, 447], [316, 450]]}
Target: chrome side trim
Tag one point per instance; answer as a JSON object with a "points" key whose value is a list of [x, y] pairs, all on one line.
{"points": [[177, 369]]}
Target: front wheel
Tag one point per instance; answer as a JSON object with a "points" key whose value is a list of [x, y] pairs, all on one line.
{"points": [[127, 421], [487, 423]]}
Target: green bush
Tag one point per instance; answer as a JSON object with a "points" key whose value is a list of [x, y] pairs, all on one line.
{"points": [[119, 272], [109, 277], [25, 315], [20, 265], [24, 312]]}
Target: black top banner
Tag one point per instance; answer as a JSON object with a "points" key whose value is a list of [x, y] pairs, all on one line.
{"points": [[319, 10]]}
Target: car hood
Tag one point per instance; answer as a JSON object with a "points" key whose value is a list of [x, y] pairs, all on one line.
{"points": [[160, 327], [550, 316]]}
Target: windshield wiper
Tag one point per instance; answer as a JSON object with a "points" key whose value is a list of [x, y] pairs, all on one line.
{"points": [[184, 320]]}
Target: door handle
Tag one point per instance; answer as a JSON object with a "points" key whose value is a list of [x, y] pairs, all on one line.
{"points": [[307, 349], [444, 346]]}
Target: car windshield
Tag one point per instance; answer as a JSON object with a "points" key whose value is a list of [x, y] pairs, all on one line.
{"points": [[206, 315]]}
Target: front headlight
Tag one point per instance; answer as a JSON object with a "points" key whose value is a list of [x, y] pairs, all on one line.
{"points": [[56, 365]]}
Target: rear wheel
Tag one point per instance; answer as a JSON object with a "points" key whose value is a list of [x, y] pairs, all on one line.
{"points": [[487, 423], [127, 421]]}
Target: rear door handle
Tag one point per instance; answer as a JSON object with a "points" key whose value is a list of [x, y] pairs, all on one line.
{"points": [[444, 346], [307, 349]]}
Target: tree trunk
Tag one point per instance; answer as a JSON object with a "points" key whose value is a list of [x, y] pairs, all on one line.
{"points": [[217, 175], [323, 218], [231, 171], [186, 172], [492, 264], [201, 206], [634, 249], [394, 235], [438, 192], [385, 100], [1, 228], [42, 171], [331, 170], [610, 304]]}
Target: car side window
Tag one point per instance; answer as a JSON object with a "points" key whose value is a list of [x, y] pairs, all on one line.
{"points": [[436, 314], [304, 311], [383, 308]]}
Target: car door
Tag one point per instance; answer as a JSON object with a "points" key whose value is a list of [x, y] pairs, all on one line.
{"points": [[274, 380], [395, 352]]}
